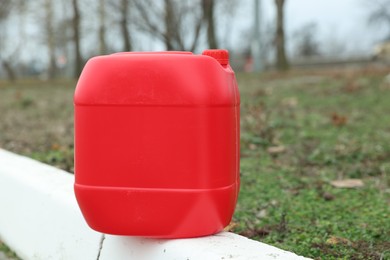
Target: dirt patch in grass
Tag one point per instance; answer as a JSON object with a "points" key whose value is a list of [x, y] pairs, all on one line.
{"points": [[37, 120]]}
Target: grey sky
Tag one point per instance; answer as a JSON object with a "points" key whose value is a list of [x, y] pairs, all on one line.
{"points": [[337, 20]]}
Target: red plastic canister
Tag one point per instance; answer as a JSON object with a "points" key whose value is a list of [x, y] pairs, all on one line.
{"points": [[157, 143]]}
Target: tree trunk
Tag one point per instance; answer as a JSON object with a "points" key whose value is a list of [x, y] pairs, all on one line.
{"points": [[9, 70], [281, 59], [76, 39], [50, 38], [5, 7], [5, 10], [169, 29], [208, 14], [170, 24], [124, 25], [102, 28]]}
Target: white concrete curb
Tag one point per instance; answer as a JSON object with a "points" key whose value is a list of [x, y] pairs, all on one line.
{"points": [[40, 219]]}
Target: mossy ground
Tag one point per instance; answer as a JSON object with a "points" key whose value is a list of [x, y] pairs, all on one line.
{"points": [[299, 132]]}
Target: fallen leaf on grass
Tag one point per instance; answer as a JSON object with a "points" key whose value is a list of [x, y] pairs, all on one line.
{"points": [[55, 147], [252, 147], [328, 196], [290, 102], [338, 120], [262, 213], [230, 227], [276, 149], [386, 83], [351, 86], [18, 95], [333, 240], [347, 183], [258, 232], [260, 93]]}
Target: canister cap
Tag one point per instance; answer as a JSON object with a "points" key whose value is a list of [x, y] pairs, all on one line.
{"points": [[221, 55]]}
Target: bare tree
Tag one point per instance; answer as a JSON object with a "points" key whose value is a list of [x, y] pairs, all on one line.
{"points": [[169, 19], [102, 27], [76, 38], [123, 8], [281, 59], [306, 43], [124, 25], [50, 36], [380, 14], [5, 9], [208, 7], [182, 22], [225, 13], [5, 6]]}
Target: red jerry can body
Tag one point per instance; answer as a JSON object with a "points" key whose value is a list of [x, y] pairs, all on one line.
{"points": [[157, 143]]}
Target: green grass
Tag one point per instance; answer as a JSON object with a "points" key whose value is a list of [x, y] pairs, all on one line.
{"points": [[7, 251], [327, 126], [286, 199]]}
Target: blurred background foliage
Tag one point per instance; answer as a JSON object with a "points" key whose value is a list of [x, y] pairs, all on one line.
{"points": [[49, 39]]}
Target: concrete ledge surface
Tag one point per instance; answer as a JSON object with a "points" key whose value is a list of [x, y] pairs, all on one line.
{"points": [[40, 219]]}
